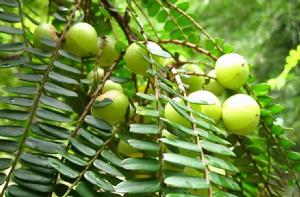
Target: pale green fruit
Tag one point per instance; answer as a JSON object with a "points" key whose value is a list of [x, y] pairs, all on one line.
{"points": [[96, 75], [194, 82], [172, 115], [241, 114], [125, 149], [110, 85], [232, 71], [171, 61], [134, 58], [81, 40], [213, 110], [213, 85], [114, 112], [45, 31], [109, 53]]}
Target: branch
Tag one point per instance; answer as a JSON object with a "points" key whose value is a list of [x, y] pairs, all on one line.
{"points": [[38, 96], [171, 6], [131, 37], [189, 45]]}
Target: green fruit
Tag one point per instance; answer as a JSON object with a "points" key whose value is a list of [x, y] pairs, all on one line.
{"points": [[232, 71], [110, 85], [134, 59], [109, 53], [45, 31], [241, 114], [213, 109], [213, 85], [172, 115], [96, 75], [194, 82], [171, 61], [81, 40], [115, 112]]}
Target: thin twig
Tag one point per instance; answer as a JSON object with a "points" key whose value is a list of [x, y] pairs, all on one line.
{"points": [[197, 25], [189, 45], [37, 97], [197, 74]]}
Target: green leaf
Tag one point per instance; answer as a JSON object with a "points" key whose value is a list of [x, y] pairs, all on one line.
{"points": [[261, 89], [57, 104], [183, 160], [153, 9], [38, 52], [101, 165], [11, 131], [13, 62], [27, 90], [220, 163], [94, 140], [38, 67], [10, 30], [216, 148], [65, 67], [51, 115], [184, 6], [13, 114], [98, 181], [30, 176], [224, 181], [9, 17], [12, 47], [155, 49], [5, 163], [161, 16], [223, 194], [69, 56], [36, 159], [8, 146], [143, 145], [182, 181], [2, 178], [286, 142], [35, 186], [112, 158], [29, 77], [144, 111], [181, 144], [62, 168], [275, 109], [44, 146], [10, 3], [86, 150], [15, 190], [294, 155], [102, 103], [144, 129], [56, 89], [62, 79], [138, 164], [146, 96], [74, 159], [97, 123], [58, 132], [140, 186]]}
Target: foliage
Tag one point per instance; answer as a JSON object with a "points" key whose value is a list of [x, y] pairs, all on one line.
{"points": [[51, 145]]}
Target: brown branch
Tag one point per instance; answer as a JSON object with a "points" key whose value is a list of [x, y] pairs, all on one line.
{"points": [[189, 45], [131, 37]]}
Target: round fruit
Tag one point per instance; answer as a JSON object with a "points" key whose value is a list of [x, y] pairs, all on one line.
{"points": [[232, 71], [171, 61], [114, 112], [45, 31], [172, 115], [110, 85], [81, 40], [212, 109], [194, 82], [109, 53], [96, 75], [134, 59], [241, 114], [213, 85]]}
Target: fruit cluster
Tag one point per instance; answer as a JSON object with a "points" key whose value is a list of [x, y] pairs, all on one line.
{"points": [[240, 113]]}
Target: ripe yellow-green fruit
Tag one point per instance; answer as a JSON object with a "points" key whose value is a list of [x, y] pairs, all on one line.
{"points": [[96, 75], [127, 150], [81, 40], [115, 112], [194, 82], [213, 109], [109, 53], [213, 85], [134, 59], [241, 114], [44, 31], [110, 85], [232, 71], [172, 115]]}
